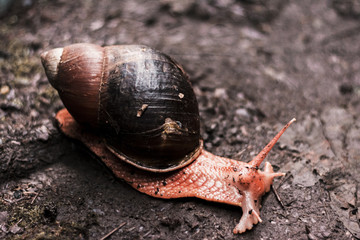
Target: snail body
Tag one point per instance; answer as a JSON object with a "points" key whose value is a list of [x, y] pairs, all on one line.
{"points": [[138, 103]]}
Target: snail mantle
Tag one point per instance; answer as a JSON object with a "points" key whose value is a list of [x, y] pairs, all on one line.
{"points": [[209, 177]]}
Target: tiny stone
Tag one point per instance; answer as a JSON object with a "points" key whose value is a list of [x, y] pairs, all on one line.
{"points": [[15, 142], [240, 95], [244, 131], [11, 95], [242, 112], [3, 228], [3, 217], [15, 229], [142, 110], [233, 130], [181, 95], [22, 81], [295, 215], [326, 233], [98, 211], [312, 236], [2, 114], [16, 104], [42, 133], [220, 92], [239, 139], [216, 141], [208, 145], [282, 146], [34, 113], [213, 126], [96, 25], [4, 90], [18, 194], [205, 136]]}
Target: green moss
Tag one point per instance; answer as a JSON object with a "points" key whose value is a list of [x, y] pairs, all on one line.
{"points": [[54, 231], [21, 63], [31, 219], [28, 215]]}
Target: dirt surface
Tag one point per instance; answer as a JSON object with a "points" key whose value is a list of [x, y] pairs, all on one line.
{"points": [[254, 65]]}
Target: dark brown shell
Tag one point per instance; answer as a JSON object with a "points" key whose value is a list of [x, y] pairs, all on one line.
{"points": [[140, 99]]}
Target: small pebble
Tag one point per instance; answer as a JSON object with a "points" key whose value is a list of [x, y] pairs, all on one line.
{"points": [[4, 90], [22, 81], [142, 110], [240, 95], [15, 229], [18, 194], [34, 114], [216, 141], [2, 113], [96, 25], [98, 211], [213, 126], [42, 133], [3, 217], [326, 233], [233, 130], [282, 146], [312, 236], [220, 93], [243, 112]]}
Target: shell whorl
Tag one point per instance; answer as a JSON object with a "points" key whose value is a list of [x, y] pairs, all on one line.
{"points": [[75, 71], [50, 60]]}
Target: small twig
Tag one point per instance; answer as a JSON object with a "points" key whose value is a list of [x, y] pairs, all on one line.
{"points": [[8, 200], [18, 200], [146, 234], [283, 179], [3, 201], [34, 198], [114, 230], [18, 222], [9, 160], [240, 153], [353, 31], [278, 197]]}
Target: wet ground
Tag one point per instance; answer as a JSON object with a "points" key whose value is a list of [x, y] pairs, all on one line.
{"points": [[254, 65]]}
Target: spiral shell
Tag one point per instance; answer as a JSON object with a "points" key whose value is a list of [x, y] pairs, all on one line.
{"points": [[139, 99]]}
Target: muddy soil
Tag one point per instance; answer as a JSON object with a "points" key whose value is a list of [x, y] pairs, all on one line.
{"points": [[254, 65]]}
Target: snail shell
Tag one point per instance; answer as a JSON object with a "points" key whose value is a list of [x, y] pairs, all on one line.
{"points": [[138, 98]]}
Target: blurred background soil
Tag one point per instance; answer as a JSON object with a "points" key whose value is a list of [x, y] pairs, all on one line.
{"points": [[254, 65]]}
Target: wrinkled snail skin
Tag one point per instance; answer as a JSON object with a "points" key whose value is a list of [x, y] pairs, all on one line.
{"points": [[159, 135]]}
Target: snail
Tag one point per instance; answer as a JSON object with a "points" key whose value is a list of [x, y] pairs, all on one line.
{"points": [[135, 108]]}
